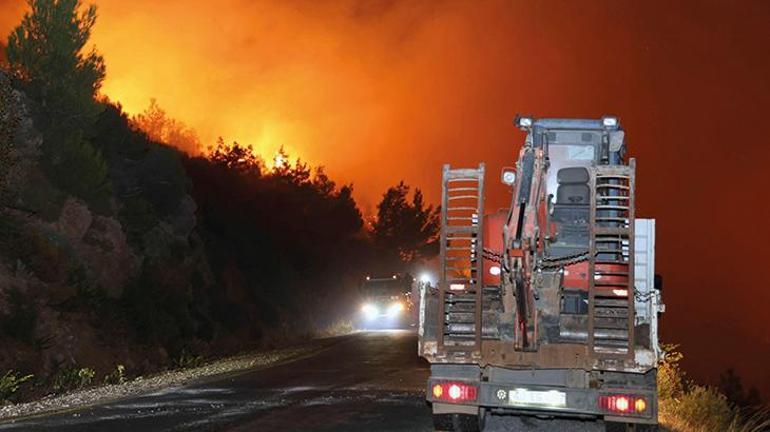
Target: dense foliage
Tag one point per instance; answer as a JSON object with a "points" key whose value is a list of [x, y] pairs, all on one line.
{"points": [[48, 52], [284, 239], [48, 57], [119, 249], [405, 230], [685, 406]]}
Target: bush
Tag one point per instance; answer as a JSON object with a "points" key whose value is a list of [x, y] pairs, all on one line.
{"points": [[80, 170], [187, 359], [10, 383], [117, 376], [671, 377], [685, 406], [699, 409], [73, 378], [756, 422]]}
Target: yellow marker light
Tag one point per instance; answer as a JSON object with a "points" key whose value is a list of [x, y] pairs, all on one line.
{"points": [[438, 391], [640, 405]]}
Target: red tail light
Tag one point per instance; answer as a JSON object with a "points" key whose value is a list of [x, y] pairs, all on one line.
{"points": [[454, 391], [623, 404]]}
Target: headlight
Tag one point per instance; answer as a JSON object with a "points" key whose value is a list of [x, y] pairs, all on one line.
{"points": [[370, 311], [395, 308], [508, 176], [610, 122]]}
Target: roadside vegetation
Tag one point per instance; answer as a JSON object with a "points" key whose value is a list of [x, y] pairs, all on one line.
{"points": [[128, 248], [10, 383], [685, 406]]}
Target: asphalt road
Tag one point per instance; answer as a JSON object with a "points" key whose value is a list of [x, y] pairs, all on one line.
{"points": [[370, 381]]}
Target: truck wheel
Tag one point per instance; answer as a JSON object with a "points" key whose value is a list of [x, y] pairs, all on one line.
{"points": [[456, 423], [629, 427]]}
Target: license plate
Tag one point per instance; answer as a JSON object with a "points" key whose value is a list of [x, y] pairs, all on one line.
{"points": [[546, 399]]}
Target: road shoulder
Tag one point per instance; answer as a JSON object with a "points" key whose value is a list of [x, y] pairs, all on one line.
{"points": [[216, 369]]}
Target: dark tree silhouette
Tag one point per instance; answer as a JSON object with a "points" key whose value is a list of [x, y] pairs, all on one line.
{"points": [[731, 385], [405, 229], [47, 56], [237, 157], [47, 52], [275, 238]]}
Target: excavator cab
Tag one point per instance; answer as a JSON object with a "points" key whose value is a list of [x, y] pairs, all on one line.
{"points": [[570, 212]]}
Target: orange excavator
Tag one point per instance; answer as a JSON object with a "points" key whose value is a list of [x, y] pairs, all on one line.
{"points": [[546, 311]]}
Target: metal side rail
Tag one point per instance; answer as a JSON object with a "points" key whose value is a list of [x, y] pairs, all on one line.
{"points": [[460, 279], [611, 262]]}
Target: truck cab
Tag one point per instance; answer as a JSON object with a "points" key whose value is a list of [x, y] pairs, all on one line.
{"points": [[547, 309], [386, 302]]}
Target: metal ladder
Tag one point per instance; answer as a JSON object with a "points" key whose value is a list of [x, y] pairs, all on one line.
{"points": [[611, 245], [460, 278]]}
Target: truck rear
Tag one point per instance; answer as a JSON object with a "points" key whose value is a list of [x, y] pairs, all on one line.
{"points": [[547, 309]]}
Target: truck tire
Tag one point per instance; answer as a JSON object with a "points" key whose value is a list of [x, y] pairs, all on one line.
{"points": [[629, 427], [456, 423]]}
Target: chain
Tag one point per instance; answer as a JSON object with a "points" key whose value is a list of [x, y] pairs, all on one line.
{"points": [[563, 261], [492, 256], [544, 262], [643, 297]]}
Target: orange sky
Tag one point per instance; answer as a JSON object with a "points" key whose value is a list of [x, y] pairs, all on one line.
{"points": [[365, 88], [382, 90]]}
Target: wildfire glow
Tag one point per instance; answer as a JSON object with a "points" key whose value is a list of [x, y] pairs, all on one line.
{"points": [[279, 161], [353, 85]]}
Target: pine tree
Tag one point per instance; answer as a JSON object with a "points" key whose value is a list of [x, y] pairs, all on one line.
{"points": [[47, 53], [48, 58], [407, 229]]}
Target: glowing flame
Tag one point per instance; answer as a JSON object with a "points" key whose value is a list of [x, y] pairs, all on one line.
{"points": [[279, 160]]}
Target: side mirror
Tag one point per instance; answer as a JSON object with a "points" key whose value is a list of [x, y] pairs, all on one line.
{"points": [[508, 176]]}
